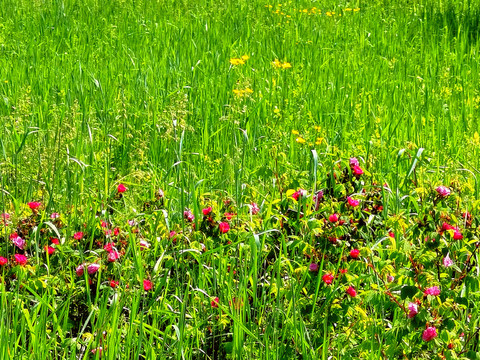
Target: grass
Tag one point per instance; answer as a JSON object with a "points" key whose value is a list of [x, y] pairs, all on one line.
{"points": [[144, 93]]}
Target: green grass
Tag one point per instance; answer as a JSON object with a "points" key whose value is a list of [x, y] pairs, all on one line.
{"points": [[94, 94]]}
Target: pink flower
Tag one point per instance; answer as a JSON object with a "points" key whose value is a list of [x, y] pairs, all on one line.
{"points": [[333, 218], [78, 235], [254, 209], [21, 259], [121, 188], [457, 235], [132, 222], [99, 349], [113, 255], [413, 310], [5, 217], [313, 267], [108, 247], [318, 197], [446, 226], [34, 205], [79, 270], [207, 210], [447, 262], [390, 278], [188, 215], [351, 291], [54, 216], [55, 241], [215, 302], [443, 191], [92, 268], [17, 241], [328, 279], [3, 261], [144, 244], [357, 170], [354, 253], [434, 290], [299, 194], [353, 162], [50, 250], [352, 202], [430, 333], [147, 285], [224, 227]]}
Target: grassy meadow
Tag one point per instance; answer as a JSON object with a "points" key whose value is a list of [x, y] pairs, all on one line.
{"points": [[239, 179]]}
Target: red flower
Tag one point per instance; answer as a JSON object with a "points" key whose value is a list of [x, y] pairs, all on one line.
{"points": [[343, 271], [333, 218], [147, 285], [49, 249], [55, 241], [116, 231], [21, 259], [188, 215], [207, 210], [34, 205], [352, 202], [224, 227], [113, 284], [78, 235], [457, 235], [228, 216], [351, 291], [446, 226], [391, 234], [113, 255], [121, 188], [354, 253], [103, 224], [3, 261], [357, 170], [215, 302], [109, 246], [327, 278]]}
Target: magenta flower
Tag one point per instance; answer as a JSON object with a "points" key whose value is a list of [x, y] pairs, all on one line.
{"points": [[434, 291], [224, 227], [3, 261], [17, 241], [352, 202], [328, 278], [354, 253], [215, 302], [318, 197], [254, 209], [313, 267], [121, 188], [207, 211], [147, 285], [188, 215], [92, 268], [429, 334], [113, 256], [457, 235], [413, 310], [34, 205], [78, 235], [447, 262], [357, 170], [354, 162], [79, 270], [443, 191], [351, 291], [333, 218], [299, 194], [21, 259], [54, 216]]}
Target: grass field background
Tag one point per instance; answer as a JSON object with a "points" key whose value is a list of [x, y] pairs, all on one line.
{"points": [[148, 94]]}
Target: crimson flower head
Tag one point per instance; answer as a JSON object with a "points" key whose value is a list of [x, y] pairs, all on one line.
{"points": [[413, 310], [121, 188], [457, 235], [92, 268], [113, 256], [188, 215], [391, 234], [429, 333], [446, 226], [34, 205], [327, 279], [352, 202], [113, 284], [78, 235], [434, 291], [207, 210], [147, 285], [224, 227], [351, 291], [109, 246], [443, 191], [357, 170], [3, 261], [299, 194], [313, 267], [333, 218], [229, 216], [55, 241], [21, 259], [354, 253], [50, 250], [215, 302], [79, 270]]}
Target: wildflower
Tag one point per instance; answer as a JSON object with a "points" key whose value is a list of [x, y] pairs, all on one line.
{"points": [[116, 231], [99, 349], [354, 253], [5, 217], [3, 261], [17, 241], [357, 170], [78, 235], [286, 65], [224, 227], [207, 210], [238, 61], [50, 250], [391, 234], [245, 57], [215, 302], [343, 271], [447, 262], [34, 205], [430, 333], [188, 215], [132, 223], [457, 235], [254, 209], [390, 278], [434, 291], [413, 310], [109, 246], [328, 279], [147, 285], [300, 140], [295, 132], [313, 267], [92, 268], [113, 284], [229, 216], [54, 216], [351, 291], [333, 218], [121, 188], [79, 270], [21, 259], [443, 191], [113, 256], [144, 244], [276, 63], [446, 226], [55, 241], [466, 215], [299, 194], [353, 162], [352, 202], [318, 197]]}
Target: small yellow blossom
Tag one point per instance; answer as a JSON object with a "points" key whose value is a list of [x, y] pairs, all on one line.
{"points": [[295, 132], [319, 141], [286, 65], [348, 9], [356, 9], [277, 63], [242, 93], [235, 61], [300, 140], [245, 57], [317, 128]]}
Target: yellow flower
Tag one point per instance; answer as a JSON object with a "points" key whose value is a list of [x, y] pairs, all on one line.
{"points": [[235, 61], [277, 63], [300, 140], [356, 9], [295, 132], [348, 9], [317, 128], [241, 93], [286, 65], [245, 57], [319, 141]]}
